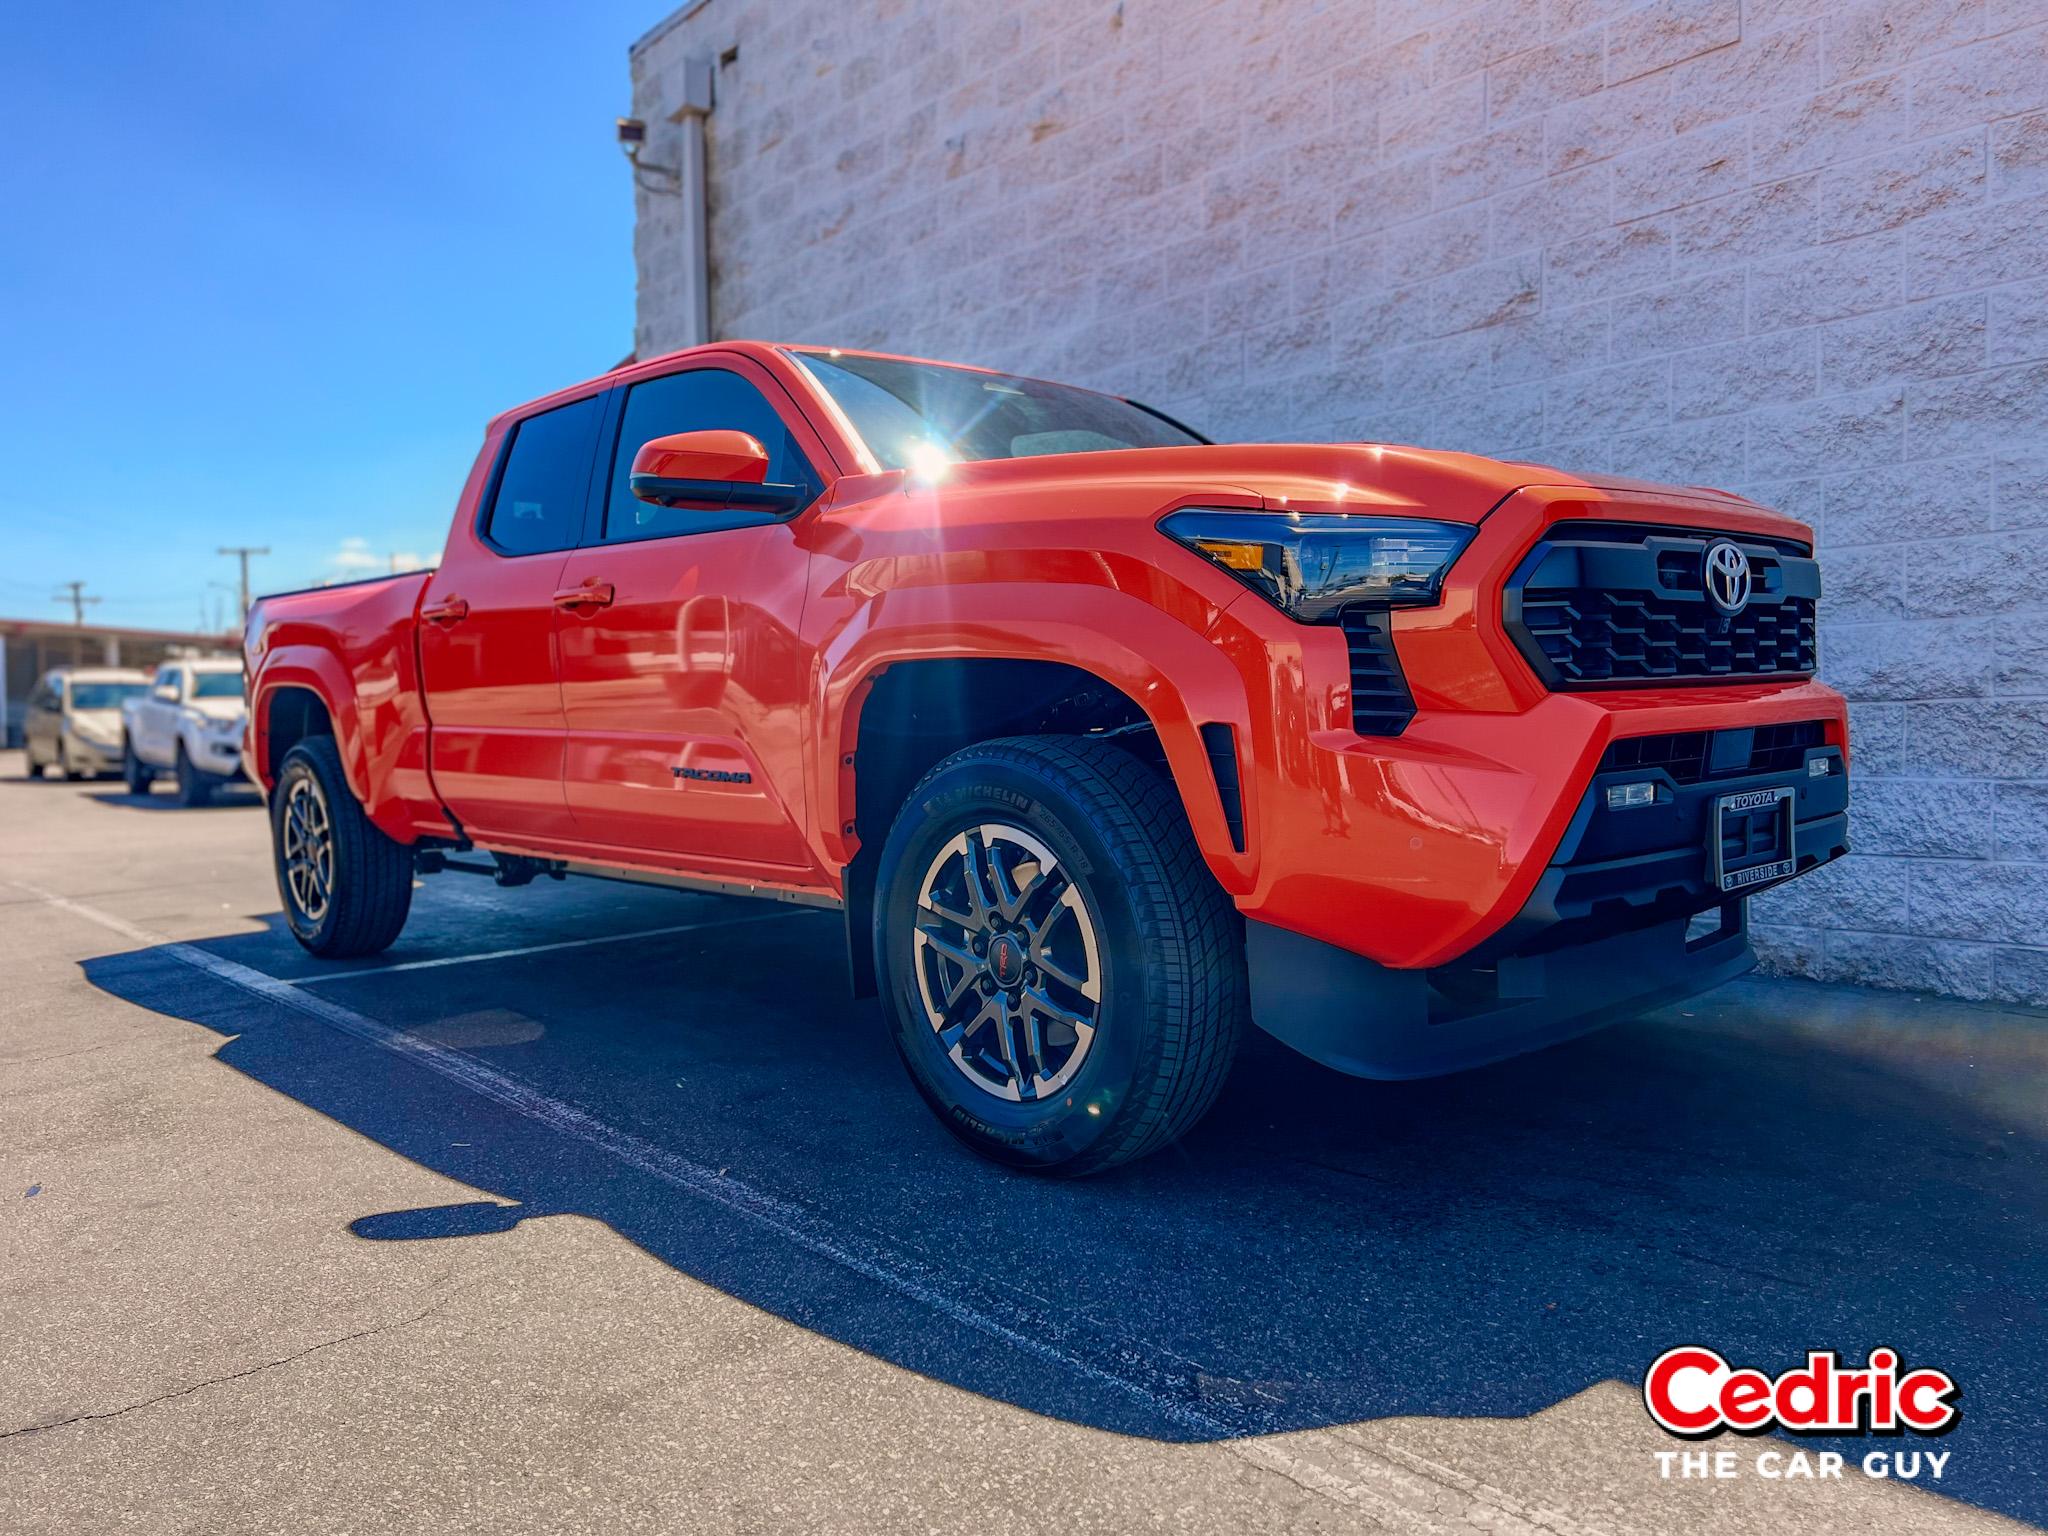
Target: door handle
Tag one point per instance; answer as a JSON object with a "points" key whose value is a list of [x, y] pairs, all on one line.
{"points": [[445, 612], [595, 594]]}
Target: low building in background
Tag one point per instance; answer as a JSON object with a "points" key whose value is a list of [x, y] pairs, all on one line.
{"points": [[31, 647], [1790, 249]]}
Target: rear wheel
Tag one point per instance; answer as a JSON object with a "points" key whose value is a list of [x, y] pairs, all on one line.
{"points": [[134, 771], [346, 886], [1064, 978], [194, 786]]}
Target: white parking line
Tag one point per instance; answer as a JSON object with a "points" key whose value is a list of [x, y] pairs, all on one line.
{"points": [[535, 949], [898, 1271], [1164, 1382]]}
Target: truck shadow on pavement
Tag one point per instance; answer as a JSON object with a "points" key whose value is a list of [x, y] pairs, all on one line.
{"points": [[233, 798], [1773, 1169]]}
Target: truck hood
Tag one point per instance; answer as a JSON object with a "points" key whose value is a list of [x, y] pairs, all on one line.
{"points": [[218, 709], [1397, 478]]}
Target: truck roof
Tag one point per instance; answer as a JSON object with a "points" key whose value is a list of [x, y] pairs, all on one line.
{"points": [[761, 352]]}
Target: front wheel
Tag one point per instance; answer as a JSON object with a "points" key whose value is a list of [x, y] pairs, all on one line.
{"points": [[195, 788], [134, 771], [1064, 978], [346, 886]]}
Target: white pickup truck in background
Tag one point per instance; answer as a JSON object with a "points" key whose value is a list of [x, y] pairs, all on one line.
{"points": [[187, 723]]}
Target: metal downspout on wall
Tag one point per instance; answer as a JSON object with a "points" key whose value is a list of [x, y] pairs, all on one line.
{"points": [[695, 210]]}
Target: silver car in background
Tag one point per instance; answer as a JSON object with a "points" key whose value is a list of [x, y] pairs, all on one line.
{"points": [[74, 720]]}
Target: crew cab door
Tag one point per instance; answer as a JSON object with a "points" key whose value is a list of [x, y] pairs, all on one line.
{"points": [[486, 632], [683, 679]]}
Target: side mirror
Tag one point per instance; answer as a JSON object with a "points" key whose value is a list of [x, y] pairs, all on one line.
{"points": [[710, 471], [168, 692]]}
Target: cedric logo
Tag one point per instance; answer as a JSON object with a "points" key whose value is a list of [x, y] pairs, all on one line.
{"points": [[1693, 1393]]}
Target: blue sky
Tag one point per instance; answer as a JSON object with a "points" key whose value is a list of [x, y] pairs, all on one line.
{"points": [[266, 270]]}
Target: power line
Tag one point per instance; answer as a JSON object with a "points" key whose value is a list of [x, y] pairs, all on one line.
{"points": [[73, 592], [243, 552]]}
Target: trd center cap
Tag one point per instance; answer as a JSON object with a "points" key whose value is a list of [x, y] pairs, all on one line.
{"points": [[1006, 961]]}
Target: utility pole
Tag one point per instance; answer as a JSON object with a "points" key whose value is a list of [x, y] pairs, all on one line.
{"points": [[213, 622], [74, 593], [243, 552]]}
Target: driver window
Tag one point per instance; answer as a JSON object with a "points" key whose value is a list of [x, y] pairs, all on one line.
{"points": [[693, 401]]}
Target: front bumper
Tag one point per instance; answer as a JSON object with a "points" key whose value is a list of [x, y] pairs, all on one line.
{"points": [[219, 756], [1616, 870], [1607, 931], [1417, 851], [87, 756]]}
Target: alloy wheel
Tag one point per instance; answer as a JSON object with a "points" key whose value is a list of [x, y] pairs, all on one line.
{"points": [[1008, 963], [308, 848]]}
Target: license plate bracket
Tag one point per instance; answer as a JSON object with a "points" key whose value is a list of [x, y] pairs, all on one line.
{"points": [[1752, 840]]}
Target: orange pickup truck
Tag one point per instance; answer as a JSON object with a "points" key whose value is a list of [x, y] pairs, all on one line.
{"points": [[1107, 740]]}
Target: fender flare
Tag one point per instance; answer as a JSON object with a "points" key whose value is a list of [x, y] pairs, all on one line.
{"points": [[321, 673], [1174, 673]]}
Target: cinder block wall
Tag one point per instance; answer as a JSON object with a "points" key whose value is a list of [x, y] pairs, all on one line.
{"points": [[1794, 248]]}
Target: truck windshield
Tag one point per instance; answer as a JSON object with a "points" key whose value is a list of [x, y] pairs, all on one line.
{"points": [[911, 414], [86, 695], [216, 685]]}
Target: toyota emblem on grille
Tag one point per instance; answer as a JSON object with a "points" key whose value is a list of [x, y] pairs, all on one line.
{"points": [[1727, 577]]}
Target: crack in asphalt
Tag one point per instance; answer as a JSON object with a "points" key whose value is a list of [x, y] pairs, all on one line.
{"points": [[83, 1050], [215, 1381]]}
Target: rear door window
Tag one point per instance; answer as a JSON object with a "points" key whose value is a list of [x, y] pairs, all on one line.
{"points": [[695, 401], [541, 494]]}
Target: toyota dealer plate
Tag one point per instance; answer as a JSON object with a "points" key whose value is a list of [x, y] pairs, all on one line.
{"points": [[1752, 841]]}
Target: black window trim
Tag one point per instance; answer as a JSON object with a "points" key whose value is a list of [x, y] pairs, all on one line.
{"points": [[615, 424]]}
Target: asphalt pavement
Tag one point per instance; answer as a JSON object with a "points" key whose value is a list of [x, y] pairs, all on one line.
{"points": [[591, 1207]]}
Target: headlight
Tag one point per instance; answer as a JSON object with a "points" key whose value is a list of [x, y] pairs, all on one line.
{"points": [[1310, 564]]}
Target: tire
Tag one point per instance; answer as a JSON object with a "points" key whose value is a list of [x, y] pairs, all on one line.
{"points": [[195, 787], [368, 889], [134, 772], [30, 768], [1121, 891]]}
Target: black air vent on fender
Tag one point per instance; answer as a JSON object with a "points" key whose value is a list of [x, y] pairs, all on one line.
{"points": [[1380, 702], [1221, 744]]}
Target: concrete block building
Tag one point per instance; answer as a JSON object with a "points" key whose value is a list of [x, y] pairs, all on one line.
{"points": [[1796, 248]]}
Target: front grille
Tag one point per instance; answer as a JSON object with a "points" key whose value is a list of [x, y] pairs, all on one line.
{"points": [[1380, 702], [1691, 757], [1623, 604]]}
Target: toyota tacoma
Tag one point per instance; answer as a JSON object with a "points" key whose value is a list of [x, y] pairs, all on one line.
{"points": [[187, 723], [1107, 740]]}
